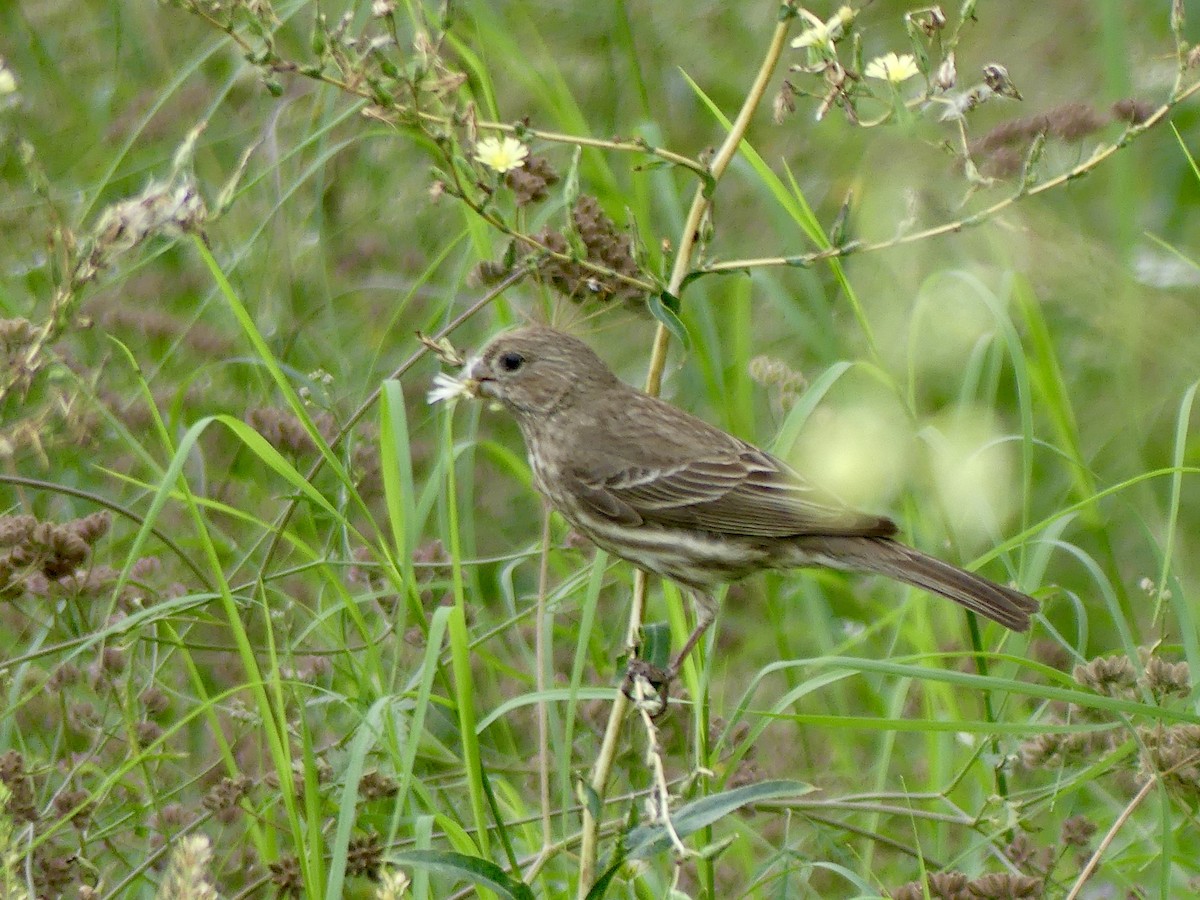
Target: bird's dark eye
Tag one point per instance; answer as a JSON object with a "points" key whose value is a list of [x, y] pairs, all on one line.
{"points": [[510, 361]]}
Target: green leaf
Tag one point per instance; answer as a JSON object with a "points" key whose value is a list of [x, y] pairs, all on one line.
{"points": [[798, 415], [664, 307], [590, 799], [656, 644], [600, 888], [479, 871], [650, 840]]}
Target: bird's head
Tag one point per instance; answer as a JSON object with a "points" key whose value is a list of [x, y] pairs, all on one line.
{"points": [[533, 371]]}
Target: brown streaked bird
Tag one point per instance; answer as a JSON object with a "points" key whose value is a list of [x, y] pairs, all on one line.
{"points": [[680, 498]]}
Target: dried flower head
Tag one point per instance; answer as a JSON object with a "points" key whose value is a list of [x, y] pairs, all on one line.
{"points": [[995, 76], [53, 870], [364, 856], [77, 803], [188, 872], [1005, 886], [933, 21], [947, 73], [284, 431], [784, 103], [17, 797], [1166, 679], [1113, 676], [941, 886], [1134, 112], [170, 209], [376, 785], [1021, 851], [1077, 831], [393, 885], [227, 793], [1172, 754], [531, 182], [16, 333], [147, 733], [784, 382], [286, 876], [606, 246]]}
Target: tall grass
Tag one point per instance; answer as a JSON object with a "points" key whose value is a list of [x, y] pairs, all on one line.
{"points": [[257, 593]]}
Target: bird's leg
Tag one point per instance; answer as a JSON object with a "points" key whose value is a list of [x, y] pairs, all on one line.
{"points": [[706, 612], [660, 679]]}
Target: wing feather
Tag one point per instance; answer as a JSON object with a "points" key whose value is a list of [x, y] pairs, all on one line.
{"points": [[744, 492]]}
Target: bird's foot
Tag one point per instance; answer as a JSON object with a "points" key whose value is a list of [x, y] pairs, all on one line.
{"points": [[649, 686]]}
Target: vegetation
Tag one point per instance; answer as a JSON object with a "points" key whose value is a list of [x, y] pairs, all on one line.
{"points": [[275, 626]]}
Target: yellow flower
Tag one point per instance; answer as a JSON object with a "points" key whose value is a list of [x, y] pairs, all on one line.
{"points": [[893, 68], [501, 155], [821, 35]]}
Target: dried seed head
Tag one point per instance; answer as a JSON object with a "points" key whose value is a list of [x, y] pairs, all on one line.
{"points": [[16, 529], [364, 856], [1005, 886], [784, 103], [1074, 121], [941, 885], [1113, 676], [995, 76], [393, 885], [376, 785], [1077, 831], [946, 75], [188, 871], [1135, 112], [603, 245], [1165, 679], [1172, 754], [285, 875], [15, 333], [147, 733], [530, 183], [91, 528], [227, 793], [77, 801]]}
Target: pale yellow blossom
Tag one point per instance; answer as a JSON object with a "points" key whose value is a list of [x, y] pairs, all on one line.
{"points": [[821, 35], [893, 68], [503, 155]]}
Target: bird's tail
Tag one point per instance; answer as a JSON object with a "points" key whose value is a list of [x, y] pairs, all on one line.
{"points": [[882, 556]]}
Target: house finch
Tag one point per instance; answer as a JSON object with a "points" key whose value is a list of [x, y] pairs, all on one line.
{"points": [[677, 497]]}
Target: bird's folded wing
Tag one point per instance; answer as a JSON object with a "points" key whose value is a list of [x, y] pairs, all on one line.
{"points": [[745, 492]]}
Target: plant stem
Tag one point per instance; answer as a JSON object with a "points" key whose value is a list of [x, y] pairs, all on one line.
{"points": [[701, 203]]}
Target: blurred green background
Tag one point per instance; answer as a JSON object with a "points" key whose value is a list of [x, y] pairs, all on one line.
{"points": [[999, 378]]}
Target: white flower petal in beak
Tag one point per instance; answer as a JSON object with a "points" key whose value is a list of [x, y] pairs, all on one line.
{"points": [[447, 387]]}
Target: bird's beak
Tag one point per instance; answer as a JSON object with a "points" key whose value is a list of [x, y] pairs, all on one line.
{"points": [[483, 387], [474, 381], [471, 382]]}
